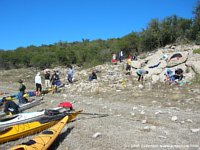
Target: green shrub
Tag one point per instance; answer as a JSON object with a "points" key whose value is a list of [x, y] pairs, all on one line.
{"points": [[196, 51], [198, 39]]}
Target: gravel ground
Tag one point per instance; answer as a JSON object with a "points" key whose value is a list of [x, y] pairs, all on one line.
{"points": [[135, 119]]}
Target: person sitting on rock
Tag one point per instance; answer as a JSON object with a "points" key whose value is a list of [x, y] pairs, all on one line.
{"points": [[93, 76], [10, 107], [141, 73]]}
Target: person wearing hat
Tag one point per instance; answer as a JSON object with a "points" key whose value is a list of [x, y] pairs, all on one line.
{"points": [[10, 106], [22, 89]]}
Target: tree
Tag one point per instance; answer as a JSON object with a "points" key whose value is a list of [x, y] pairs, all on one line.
{"points": [[196, 27]]}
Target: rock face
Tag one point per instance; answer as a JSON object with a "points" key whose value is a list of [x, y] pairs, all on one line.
{"points": [[178, 59], [115, 77], [136, 64], [194, 65]]}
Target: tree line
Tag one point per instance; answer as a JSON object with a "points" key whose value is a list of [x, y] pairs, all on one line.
{"points": [[158, 33]]}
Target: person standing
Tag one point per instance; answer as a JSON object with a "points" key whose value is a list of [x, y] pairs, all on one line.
{"points": [[54, 79], [70, 73], [47, 79], [38, 84], [120, 56], [128, 65], [22, 89]]}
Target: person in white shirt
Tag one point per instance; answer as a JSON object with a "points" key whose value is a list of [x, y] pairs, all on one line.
{"points": [[38, 83], [70, 73]]}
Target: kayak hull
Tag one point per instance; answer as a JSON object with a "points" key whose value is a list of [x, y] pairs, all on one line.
{"points": [[21, 130], [45, 139], [25, 106], [27, 117]]}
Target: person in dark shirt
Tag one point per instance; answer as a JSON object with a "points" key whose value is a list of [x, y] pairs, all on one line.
{"points": [[22, 89], [10, 106], [93, 76], [47, 79], [178, 74], [54, 79]]}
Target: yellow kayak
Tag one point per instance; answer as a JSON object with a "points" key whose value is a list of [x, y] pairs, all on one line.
{"points": [[21, 130], [44, 140]]}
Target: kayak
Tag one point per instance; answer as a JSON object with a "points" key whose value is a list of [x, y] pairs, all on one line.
{"points": [[30, 104], [21, 130], [26, 106], [27, 117], [44, 140], [33, 116]]}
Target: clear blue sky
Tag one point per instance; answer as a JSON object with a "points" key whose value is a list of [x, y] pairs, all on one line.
{"points": [[36, 22]]}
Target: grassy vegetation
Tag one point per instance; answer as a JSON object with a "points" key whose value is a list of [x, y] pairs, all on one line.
{"points": [[197, 78], [196, 51]]}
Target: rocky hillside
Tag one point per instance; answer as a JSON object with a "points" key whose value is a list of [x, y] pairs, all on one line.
{"points": [[152, 115]]}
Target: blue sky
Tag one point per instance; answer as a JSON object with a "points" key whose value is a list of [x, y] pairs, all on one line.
{"points": [[37, 22]]}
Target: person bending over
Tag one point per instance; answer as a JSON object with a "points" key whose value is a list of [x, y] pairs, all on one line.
{"points": [[10, 106], [141, 73]]}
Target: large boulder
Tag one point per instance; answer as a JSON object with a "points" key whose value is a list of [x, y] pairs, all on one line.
{"points": [[154, 71], [194, 65], [193, 57], [155, 78], [177, 59], [136, 64]]}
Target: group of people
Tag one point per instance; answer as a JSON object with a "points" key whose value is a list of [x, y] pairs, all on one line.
{"points": [[51, 81], [54, 80], [121, 56], [10, 107], [114, 57], [170, 76]]}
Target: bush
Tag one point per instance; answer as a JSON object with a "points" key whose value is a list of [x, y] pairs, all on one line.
{"points": [[197, 51], [198, 40]]}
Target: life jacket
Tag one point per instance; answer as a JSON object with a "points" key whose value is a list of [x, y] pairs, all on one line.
{"points": [[66, 105]]}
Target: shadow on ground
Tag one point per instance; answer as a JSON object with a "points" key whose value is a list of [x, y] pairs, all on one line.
{"points": [[60, 139]]}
